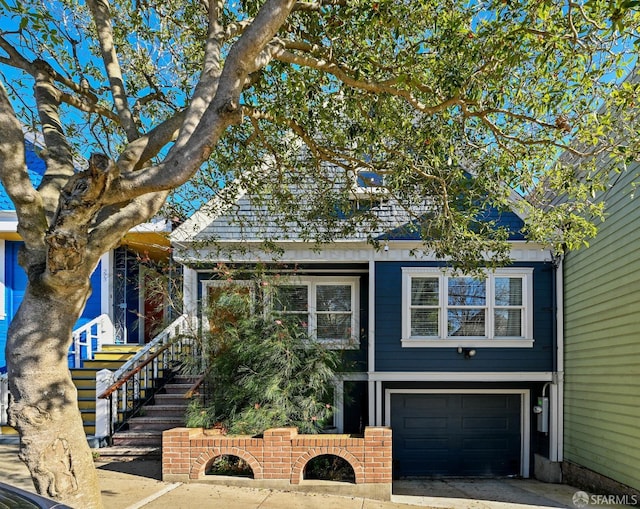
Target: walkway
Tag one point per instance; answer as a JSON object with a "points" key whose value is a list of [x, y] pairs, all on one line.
{"points": [[136, 484]]}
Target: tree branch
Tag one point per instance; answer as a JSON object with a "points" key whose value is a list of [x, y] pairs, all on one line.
{"points": [[58, 153], [321, 153], [512, 114], [15, 58], [84, 100], [501, 135], [209, 77], [32, 222], [316, 6], [111, 228], [147, 146], [194, 147], [102, 18], [235, 29], [343, 75]]}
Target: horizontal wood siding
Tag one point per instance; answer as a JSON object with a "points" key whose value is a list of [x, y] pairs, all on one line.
{"points": [[391, 356], [602, 343]]}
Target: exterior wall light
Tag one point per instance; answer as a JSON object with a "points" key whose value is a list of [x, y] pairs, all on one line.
{"points": [[467, 352]]}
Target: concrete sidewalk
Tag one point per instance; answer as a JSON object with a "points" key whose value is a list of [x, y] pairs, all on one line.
{"points": [[137, 484]]}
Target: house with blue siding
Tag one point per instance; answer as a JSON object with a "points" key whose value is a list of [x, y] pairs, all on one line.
{"points": [[123, 283], [463, 368]]}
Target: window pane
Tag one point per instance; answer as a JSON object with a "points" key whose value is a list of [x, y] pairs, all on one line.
{"points": [[333, 297], [508, 322], [226, 304], [291, 298], [424, 291], [466, 322], [424, 322], [332, 326], [467, 291], [508, 291]]}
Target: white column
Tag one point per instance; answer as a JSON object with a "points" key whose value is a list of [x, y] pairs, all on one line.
{"points": [[190, 291], [106, 284], [104, 379]]}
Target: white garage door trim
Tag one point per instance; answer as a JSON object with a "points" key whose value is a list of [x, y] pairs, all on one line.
{"points": [[525, 417]]}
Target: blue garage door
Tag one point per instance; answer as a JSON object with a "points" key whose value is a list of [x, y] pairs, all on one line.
{"points": [[470, 435]]}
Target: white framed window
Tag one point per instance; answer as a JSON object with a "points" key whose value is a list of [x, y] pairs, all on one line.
{"points": [[214, 290], [444, 309], [327, 306]]}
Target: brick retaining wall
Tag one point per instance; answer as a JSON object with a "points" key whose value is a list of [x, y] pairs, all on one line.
{"points": [[281, 454]]}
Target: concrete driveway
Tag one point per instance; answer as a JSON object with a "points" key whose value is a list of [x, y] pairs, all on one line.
{"points": [[488, 494]]}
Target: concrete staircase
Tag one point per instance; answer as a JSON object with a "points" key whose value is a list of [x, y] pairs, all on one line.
{"points": [[142, 435]]}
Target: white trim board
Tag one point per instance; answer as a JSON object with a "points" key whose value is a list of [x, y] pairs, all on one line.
{"points": [[525, 417], [339, 251], [461, 376]]}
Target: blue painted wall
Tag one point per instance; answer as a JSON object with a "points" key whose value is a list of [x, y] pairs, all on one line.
{"points": [[15, 285], [390, 356]]}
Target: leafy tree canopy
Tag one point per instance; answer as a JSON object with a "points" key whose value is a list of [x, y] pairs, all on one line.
{"points": [[425, 93]]}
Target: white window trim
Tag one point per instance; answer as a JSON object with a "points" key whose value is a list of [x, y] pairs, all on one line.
{"points": [[218, 283], [311, 282], [526, 341]]}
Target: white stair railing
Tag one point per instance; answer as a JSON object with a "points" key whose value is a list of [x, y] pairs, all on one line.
{"points": [[139, 374], [89, 338]]}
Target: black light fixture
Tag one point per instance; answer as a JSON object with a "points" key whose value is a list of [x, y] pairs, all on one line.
{"points": [[467, 352]]}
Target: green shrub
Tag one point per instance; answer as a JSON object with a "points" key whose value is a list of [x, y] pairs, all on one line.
{"points": [[230, 465], [263, 370]]}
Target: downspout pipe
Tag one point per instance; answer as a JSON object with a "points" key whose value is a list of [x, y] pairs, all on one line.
{"points": [[557, 388]]}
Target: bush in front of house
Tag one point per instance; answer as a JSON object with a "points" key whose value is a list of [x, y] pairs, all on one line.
{"points": [[263, 370]]}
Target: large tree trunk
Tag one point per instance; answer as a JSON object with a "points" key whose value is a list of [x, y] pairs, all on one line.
{"points": [[44, 408]]}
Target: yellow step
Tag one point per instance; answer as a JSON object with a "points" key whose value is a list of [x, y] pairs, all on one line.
{"points": [[86, 393], [84, 378], [87, 404], [113, 356], [121, 348], [8, 430], [113, 365], [88, 417]]}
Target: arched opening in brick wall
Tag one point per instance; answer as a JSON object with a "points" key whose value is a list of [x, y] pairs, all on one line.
{"points": [[300, 465], [229, 464], [329, 467], [201, 466]]}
